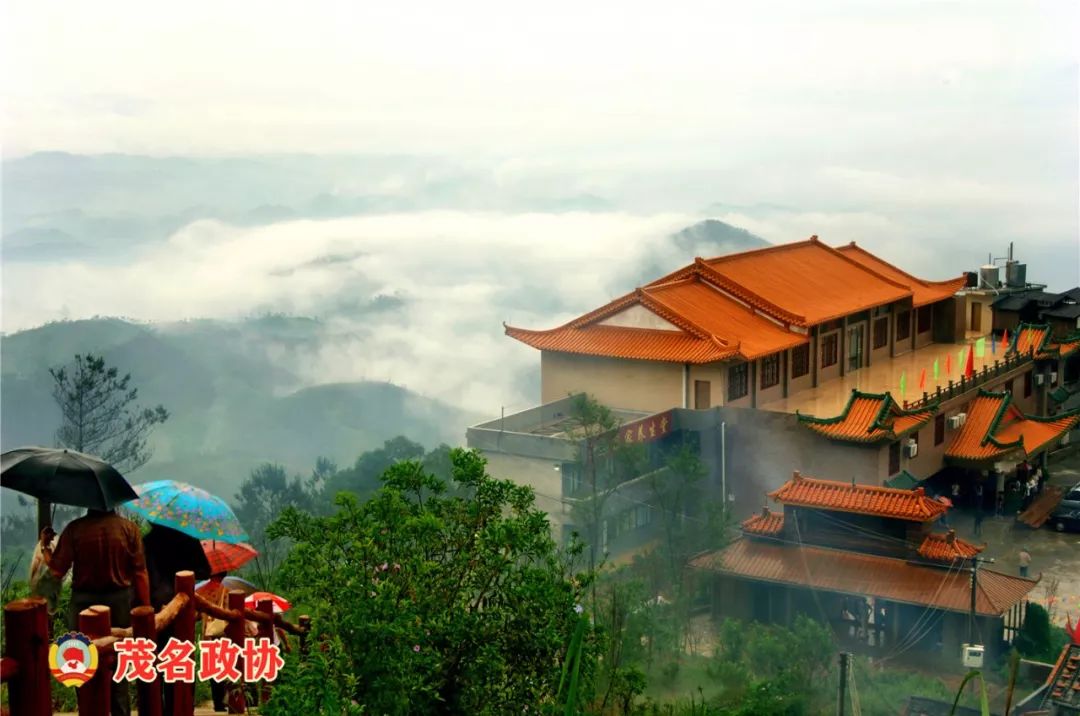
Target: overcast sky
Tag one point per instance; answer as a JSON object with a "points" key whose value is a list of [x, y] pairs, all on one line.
{"points": [[595, 81]]}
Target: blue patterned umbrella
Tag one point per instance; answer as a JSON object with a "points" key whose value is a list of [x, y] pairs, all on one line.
{"points": [[187, 509]]}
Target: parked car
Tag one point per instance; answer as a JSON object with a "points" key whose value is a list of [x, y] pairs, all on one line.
{"points": [[1067, 514]]}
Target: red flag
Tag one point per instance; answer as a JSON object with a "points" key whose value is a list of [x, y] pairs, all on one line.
{"points": [[922, 379], [969, 369], [948, 363], [1074, 633], [1005, 340]]}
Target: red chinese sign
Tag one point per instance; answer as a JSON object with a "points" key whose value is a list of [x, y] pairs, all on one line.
{"points": [[647, 429]]}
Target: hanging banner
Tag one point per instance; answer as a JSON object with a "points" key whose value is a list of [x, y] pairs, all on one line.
{"points": [[647, 429]]}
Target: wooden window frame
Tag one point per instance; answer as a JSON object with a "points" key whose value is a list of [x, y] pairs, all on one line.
{"points": [[903, 326], [880, 329], [770, 371], [939, 428], [924, 319], [800, 360], [738, 380], [830, 350]]}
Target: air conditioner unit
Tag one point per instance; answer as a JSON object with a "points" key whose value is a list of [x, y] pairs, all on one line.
{"points": [[953, 422], [1053, 377], [912, 448], [1066, 438], [962, 417], [973, 656], [1038, 379]]}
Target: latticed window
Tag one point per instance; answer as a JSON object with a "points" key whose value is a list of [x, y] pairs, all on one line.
{"points": [[800, 360], [830, 349], [770, 371], [903, 325], [881, 332], [738, 381], [924, 317]]}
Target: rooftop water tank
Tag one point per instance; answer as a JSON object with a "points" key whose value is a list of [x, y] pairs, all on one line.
{"points": [[1015, 274], [989, 276]]}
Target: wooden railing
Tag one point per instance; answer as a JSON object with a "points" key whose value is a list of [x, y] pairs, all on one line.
{"points": [[25, 668], [957, 388]]}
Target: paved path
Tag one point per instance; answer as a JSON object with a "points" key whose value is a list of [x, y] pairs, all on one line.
{"points": [[1055, 555]]}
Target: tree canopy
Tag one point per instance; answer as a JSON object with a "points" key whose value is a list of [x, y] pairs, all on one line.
{"points": [[99, 414], [432, 602]]}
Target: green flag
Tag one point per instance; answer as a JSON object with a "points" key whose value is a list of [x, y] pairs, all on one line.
{"points": [[980, 348], [903, 384], [937, 370], [960, 360]]}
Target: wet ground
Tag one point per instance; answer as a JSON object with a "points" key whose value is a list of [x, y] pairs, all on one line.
{"points": [[1055, 555]]}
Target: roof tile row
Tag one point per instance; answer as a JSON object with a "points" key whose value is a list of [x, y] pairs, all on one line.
{"points": [[753, 303]]}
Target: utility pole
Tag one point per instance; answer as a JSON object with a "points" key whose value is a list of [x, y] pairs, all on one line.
{"points": [[841, 691], [723, 471], [974, 586]]}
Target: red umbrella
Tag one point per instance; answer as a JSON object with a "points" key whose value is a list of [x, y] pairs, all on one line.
{"points": [[281, 604], [227, 557]]}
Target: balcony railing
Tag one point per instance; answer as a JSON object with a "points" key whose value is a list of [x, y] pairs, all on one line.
{"points": [[988, 373]]}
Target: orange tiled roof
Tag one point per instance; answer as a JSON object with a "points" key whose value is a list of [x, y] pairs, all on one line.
{"points": [[765, 523], [995, 427], [809, 279], [750, 302], [923, 292], [946, 546], [1030, 338], [863, 574], [869, 417], [710, 327], [911, 505], [1068, 345]]}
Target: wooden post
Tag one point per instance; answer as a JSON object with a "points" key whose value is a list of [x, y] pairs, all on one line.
{"points": [[26, 639], [235, 632], [184, 630], [265, 606], [305, 623], [95, 696], [142, 626]]}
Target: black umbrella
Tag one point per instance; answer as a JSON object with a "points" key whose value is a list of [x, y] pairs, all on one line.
{"points": [[64, 476]]}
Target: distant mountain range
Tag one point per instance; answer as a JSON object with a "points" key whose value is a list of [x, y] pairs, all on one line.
{"points": [[96, 207], [231, 405]]}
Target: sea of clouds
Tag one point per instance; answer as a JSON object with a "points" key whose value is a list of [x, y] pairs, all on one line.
{"points": [[419, 299]]}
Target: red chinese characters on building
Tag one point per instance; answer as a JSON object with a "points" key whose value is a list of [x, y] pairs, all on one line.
{"points": [[647, 429]]}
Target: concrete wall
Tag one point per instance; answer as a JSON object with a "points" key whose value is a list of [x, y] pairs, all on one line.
{"points": [[539, 474], [716, 374], [631, 384], [900, 311], [776, 392], [926, 337], [805, 381], [833, 371], [964, 303], [764, 448], [884, 353]]}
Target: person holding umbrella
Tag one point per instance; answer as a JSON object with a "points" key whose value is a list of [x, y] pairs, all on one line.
{"points": [[180, 516], [104, 553], [102, 550]]}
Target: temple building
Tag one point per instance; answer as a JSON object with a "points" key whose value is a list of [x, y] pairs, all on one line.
{"points": [[870, 562], [798, 356]]}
